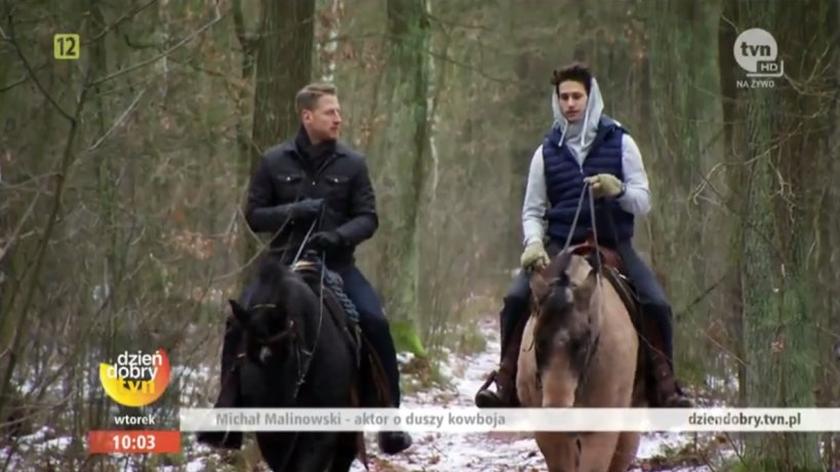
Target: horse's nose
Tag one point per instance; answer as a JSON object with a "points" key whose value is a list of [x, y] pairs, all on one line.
{"points": [[265, 354]]}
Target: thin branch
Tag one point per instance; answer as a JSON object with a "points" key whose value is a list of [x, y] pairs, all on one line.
{"points": [[232, 82], [469, 67], [117, 122], [30, 71], [19, 227], [139, 46], [726, 350], [703, 295], [259, 252], [160, 56], [13, 84], [121, 19], [42, 246], [23, 185]]}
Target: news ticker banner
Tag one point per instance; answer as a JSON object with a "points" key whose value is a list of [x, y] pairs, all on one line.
{"points": [[473, 420]]}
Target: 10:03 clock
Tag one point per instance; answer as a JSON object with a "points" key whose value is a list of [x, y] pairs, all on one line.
{"points": [[134, 441]]}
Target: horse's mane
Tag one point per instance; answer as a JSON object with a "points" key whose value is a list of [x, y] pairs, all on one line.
{"points": [[278, 282], [563, 295], [272, 271]]}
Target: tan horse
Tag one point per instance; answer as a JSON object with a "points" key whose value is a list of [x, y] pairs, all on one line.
{"points": [[579, 348]]}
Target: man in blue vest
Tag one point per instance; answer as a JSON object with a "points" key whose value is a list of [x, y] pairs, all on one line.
{"points": [[584, 146]]}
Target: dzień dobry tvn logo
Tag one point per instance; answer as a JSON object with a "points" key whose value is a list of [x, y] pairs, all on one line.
{"points": [[757, 53], [136, 379]]}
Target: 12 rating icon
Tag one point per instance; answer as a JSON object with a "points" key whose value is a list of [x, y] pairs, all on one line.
{"points": [[66, 46]]}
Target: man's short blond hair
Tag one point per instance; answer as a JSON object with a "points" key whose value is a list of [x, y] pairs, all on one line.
{"points": [[308, 96]]}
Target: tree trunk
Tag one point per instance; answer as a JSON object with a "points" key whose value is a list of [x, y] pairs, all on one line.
{"points": [[736, 178], [284, 66], [407, 84], [772, 129]]}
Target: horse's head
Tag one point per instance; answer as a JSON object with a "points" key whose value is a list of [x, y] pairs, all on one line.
{"points": [[567, 324], [269, 327]]}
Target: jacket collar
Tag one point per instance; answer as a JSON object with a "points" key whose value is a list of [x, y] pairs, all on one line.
{"points": [[301, 142]]}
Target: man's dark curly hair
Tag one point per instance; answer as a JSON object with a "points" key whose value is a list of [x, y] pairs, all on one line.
{"points": [[576, 71]]}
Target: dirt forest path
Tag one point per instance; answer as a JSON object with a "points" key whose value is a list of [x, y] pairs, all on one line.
{"points": [[489, 452]]}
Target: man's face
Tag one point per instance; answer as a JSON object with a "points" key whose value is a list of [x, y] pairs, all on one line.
{"points": [[323, 123], [572, 98]]}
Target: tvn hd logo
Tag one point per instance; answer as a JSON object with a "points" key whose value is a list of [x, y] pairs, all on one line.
{"points": [[136, 379], [757, 53]]}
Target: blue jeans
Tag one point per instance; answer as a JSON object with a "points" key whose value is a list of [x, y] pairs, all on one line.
{"points": [[373, 323]]}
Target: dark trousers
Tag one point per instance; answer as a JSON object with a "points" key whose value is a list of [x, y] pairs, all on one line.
{"points": [[651, 297], [374, 324], [371, 320], [515, 306]]}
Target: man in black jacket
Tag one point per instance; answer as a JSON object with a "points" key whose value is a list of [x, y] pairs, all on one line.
{"points": [[315, 182]]}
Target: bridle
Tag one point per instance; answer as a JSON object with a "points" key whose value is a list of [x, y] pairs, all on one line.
{"points": [[593, 347], [289, 332], [302, 355]]}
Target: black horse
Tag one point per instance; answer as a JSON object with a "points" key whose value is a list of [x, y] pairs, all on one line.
{"points": [[296, 355]]}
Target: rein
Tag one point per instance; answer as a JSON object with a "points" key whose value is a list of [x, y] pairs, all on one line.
{"points": [[311, 353], [305, 240], [583, 192], [595, 342], [598, 281], [303, 367]]}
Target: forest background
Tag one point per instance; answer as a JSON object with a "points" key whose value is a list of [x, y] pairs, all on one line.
{"points": [[124, 174]]}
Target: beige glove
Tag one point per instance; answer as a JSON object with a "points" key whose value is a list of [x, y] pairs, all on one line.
{"points": [[605, 185], [534, 256]]}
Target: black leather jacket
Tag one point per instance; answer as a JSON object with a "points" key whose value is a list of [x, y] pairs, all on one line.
{"points": [[284, 176]]}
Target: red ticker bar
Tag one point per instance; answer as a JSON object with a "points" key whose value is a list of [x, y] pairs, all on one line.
{"points": [[134, 441]]}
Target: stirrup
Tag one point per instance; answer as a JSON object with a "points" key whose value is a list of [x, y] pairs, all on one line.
{"points": [[486, 398], [677, 399], [490, 379], [393, 442]]}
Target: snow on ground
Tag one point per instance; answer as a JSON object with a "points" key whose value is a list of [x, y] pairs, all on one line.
{"points": [[463, 375], [192, 381], [499, 451], [40, 444]]}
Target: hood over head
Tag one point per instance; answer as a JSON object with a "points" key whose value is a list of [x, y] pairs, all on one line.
{"points": [[580, 135]]}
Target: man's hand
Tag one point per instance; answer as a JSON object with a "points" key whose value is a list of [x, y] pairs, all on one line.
{"points": [[325, 240], [604, 185], [534, 256], [307, 209]]}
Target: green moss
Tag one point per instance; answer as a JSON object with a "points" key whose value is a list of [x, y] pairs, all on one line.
{"points": [[406, 338]]}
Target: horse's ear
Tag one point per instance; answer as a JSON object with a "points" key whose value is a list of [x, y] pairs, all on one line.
{"points": [[241, 314], [564, 259], [595, 259], [539, 286]]}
